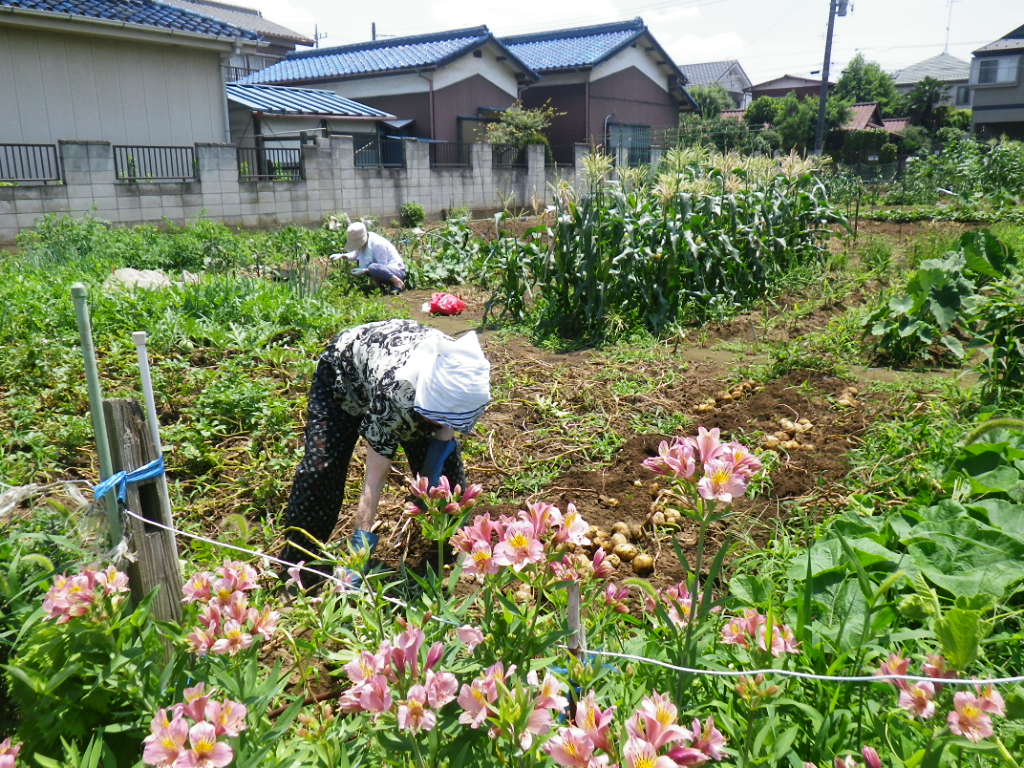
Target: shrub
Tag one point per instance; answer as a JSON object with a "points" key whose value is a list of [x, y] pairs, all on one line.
{"points": [[412, 215]]}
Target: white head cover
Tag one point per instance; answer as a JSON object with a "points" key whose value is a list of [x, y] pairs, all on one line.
{"points": [[355, 236], [453, 381]]}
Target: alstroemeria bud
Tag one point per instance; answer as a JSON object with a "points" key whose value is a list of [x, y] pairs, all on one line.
{"points": [[434, 655]]}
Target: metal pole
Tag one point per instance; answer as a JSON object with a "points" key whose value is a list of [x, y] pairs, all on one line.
{"points": [[139, 337], [819, 133], [92, 379]]}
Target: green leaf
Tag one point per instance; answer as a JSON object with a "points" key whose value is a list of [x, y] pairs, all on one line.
{"points": [[750, 589], [901, 305], [953, 345], [960, 632]]}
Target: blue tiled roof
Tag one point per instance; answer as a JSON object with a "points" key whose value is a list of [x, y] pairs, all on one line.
{"points": [[576, 47], [389, 55], [142, 12], [283, 100]]}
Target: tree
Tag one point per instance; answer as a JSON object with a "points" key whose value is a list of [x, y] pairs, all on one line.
{"points": [[725, 135], [711, 99], [762, 110], [864, 81], [520, 126], [923, 103]]}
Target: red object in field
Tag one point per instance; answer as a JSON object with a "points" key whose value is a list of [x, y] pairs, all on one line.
{"points": [[446, 304]]}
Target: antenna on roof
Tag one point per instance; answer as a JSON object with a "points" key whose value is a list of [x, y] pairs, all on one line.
{"points": [[317, 36], [949, 22]]}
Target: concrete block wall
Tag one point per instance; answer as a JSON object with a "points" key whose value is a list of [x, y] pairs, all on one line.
{"points": [[332, 184]]}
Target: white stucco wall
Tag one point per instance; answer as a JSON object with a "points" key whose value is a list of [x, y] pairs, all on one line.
{"points": [[66, 86], [388, 85], [632, 56], [487, 66]]}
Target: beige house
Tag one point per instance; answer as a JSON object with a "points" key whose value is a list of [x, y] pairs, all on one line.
{"points": [[949, 70], [728, 74], [997, 87], [131, 72]]}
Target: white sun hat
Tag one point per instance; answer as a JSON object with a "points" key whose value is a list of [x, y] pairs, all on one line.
{"points": [[453, 381], [356, 236]]}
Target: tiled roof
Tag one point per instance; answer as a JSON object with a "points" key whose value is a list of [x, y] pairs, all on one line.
{"points": [[895, 124], [573, 48], [942, 67], [376, 56], [862, 117], [1011, 41], [142, 12], [733, 114], [706, 72], [282, 100], [801, 82], [240, 16]]}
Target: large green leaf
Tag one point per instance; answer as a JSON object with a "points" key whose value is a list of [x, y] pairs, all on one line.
{"points": [[960, 632]]}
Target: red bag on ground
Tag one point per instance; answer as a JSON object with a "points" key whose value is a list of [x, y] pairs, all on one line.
{"points": [[446, 304]]}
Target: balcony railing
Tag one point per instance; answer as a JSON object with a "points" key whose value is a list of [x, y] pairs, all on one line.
{"points": [[372, 151], [448, 154], [508, 156], [155, 163], [270, 164], [30, 163]]}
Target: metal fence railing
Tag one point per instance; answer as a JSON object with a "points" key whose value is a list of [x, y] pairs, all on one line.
{"points": [[155, 163], [30, 163], [270, 164], [373, 151], [448, 154], [560, 156], [508, 156]]}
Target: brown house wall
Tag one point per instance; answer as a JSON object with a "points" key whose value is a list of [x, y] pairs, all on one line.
{"points": [[634, 98], [565, 129], [405, 106], [464, 98], [803, 92]]}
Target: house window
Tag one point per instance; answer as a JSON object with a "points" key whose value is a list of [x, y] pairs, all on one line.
{"points": [[963, 96], [999, 70], [630, 143]]}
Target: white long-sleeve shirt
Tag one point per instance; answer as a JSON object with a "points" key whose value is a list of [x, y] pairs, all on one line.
{"points": [[378, 250]]}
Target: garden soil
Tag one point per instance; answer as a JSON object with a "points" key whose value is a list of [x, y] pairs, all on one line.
{"points": [[805, 481]]}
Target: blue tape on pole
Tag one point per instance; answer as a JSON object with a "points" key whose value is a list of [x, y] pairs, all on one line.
{"points": [[120, 480]]}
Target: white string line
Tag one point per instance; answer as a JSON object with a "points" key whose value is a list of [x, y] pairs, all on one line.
{"points": [[329, 577], [628, 656]]}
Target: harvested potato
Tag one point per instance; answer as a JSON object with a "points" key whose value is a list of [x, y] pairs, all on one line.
{"points": [[807, 446], [621, 527], [635, 530], [787, 424], [845, 401], [638, 483], [643, 564], [658, 518], [618, 539], [771, 441], [614, 560], [608, 501], [791, 445], [781, 435], [626, 552], [804, 421]]}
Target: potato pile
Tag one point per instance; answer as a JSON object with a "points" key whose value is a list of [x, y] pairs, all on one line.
{"points": [[733, 393], [791, 437], [848, 397], [620, 544]]}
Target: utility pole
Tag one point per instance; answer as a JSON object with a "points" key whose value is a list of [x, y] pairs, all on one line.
{"points": [[834, 7], [317, 35], [373, 30]]}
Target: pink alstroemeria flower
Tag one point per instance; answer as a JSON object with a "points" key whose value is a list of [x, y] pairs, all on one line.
{"points": [[918, 699], [228, 717], [8, 753], [655, 722], [542, 517], [743, 461], [413, 713], [991, 701], [195, 703], [708, 444], [603, 569], [615, 595], [112, 580], [235, 639], [721, 482], [845, 762], [896, 664], [375, 695], [476, 700], [519, 548], [441, 688], [550, 694], [571, 747], [420, 487], [871, 758], [166, 741], [573, 528], [481, 560], [206, 751], [708, 739], [471, 637], [968, 718], [676, 458], [643, 754], [595, 722]]}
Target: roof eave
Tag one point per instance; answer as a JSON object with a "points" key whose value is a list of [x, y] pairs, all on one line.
{"points": [[323, 115], [355, 76], [130, 29]]}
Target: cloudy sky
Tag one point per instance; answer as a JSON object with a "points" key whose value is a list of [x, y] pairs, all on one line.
{"points": [[769, 37]]}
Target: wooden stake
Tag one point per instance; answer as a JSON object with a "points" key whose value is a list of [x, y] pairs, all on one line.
{"points": [[577, 634], [156, 553]]}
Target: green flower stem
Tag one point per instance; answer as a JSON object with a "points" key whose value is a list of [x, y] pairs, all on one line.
{"points": [[1005, 754]]}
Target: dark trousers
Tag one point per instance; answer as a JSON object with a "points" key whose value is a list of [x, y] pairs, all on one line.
{"points": [[319, 486]]}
